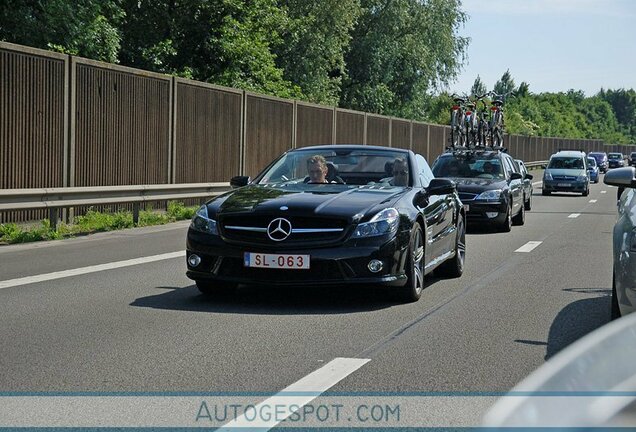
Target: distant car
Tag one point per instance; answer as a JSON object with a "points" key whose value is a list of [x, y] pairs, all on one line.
{"points": [[527, 184], [616, 160], [601, 160], [592, 169], [350, 228], [489, 184], [632, 159], [566, 172], [624, 239]]}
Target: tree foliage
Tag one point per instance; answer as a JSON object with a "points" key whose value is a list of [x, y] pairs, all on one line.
{"points": [[400, 50]]}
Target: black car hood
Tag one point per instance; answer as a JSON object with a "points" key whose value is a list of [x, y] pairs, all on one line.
{"points": [[477, 185], [326, 200]]}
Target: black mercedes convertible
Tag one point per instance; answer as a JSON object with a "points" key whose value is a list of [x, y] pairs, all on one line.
{"points": [[378, 216]]}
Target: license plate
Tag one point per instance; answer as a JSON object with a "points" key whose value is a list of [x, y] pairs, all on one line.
{"points": [[276, 261], [564, 185], [466, 207]]}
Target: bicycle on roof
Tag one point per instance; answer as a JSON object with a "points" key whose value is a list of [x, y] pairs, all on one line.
{"points": [[458, 131]]}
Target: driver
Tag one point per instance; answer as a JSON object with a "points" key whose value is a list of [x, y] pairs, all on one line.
{"points": [[317, 169], [400, 173]]}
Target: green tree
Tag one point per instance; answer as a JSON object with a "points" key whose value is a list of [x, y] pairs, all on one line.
{"points": [[228, 42], [400, 50], [505, 85], [314, 44], [88, 28], [479, 87]]}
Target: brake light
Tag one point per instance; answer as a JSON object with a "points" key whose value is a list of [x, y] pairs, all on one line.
{"points": [[494, 108], [468, 113], [455, 107]]}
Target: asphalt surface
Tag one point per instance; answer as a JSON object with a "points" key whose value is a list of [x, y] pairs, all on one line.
{"points": [[145, 327]]}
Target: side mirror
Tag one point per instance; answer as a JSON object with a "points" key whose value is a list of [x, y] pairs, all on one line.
{"points": [[441, 186], [516, 176], [529, 176], [625, 177], [544, 166], [239, 181]]}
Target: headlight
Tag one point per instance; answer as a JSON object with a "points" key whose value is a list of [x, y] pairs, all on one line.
{"points": [[385, 222], [547, 176], [581, 178], [491, 195], [201, 222]]}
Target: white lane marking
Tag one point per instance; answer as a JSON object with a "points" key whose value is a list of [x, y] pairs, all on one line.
{"points": [[603, 191], [593, 201], [528, 247], [90, 269], [315, 383], [537, 183], [574, 215]]}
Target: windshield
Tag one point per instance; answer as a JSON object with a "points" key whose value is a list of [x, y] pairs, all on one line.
{"points": [[591, 162], [350, 167], [566, 163], [469, 167], [615, 156]]}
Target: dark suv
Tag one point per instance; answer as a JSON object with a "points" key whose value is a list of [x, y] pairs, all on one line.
{"points": [[632, 158], [601, 160], [490, 185]]}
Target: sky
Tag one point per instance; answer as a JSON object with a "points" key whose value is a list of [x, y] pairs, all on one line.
{"points": [[554, 45]]}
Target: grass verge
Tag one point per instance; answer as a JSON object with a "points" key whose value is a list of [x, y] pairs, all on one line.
{"points": [[92, 222]]}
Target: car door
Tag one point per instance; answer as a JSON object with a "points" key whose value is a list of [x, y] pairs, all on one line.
{"points": [[439, 213], [516, 186]]}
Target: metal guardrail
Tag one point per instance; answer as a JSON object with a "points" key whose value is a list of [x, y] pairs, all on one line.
{"points": [[56, 198], [536, 164]]}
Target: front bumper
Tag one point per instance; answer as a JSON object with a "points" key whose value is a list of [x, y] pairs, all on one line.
{"points": [[328, 265], [564, 186], [480, 212], [616, 164]]}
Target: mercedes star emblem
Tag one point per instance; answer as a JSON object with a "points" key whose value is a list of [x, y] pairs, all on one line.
{"points": [[279, 229]]}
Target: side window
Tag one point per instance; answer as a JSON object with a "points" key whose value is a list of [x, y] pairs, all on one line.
{"points": [[509, 165], [423, 170]]}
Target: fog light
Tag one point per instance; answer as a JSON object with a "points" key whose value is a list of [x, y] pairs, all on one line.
{"points": [[375, 266], [194, 260], [492, 214]]}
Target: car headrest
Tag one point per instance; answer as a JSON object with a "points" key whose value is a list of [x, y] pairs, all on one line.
{"points": [[388, 168], [332, 171]]}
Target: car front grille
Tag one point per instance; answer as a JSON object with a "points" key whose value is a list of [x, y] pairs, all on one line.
{"points": [[466, 196], [307, 231], [564, 177]]}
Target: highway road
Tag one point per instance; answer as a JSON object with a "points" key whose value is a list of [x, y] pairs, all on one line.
{"points": [[109, 324]]}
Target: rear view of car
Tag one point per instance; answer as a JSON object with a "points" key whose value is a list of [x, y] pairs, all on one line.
{"points": [[601, 160], [615, 160]]}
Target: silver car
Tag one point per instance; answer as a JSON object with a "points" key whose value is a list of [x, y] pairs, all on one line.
{"points": [[624, 279]]}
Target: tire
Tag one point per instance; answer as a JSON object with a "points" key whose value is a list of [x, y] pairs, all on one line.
{"points": [[587, 192], [506, 226], [216, 287], [528, 204], [454, 267], [412, 290], [545, 192], [615, 311], [520, 218]]}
